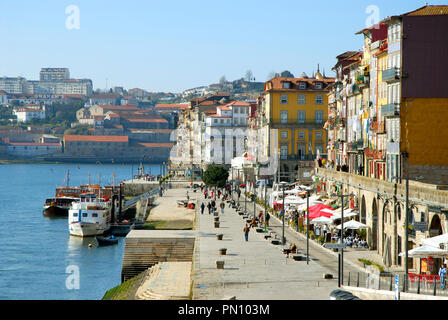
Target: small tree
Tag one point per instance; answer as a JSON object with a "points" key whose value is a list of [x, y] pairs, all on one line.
{"points": [[216, 176]]}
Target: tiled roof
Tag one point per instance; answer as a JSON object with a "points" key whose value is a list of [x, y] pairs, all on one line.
{"points": [[171, 106], [433, 10], [238, 104], [123, 108], [152, 130], [34, 144], [156, 145], [96, 138], [147, 120], [277, 83]]}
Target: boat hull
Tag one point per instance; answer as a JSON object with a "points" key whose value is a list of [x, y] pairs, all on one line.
{"points": [[106, 241], [86, 229], [55, 211]]}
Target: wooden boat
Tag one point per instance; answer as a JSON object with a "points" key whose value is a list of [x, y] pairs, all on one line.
{"points": [[106, 241]]}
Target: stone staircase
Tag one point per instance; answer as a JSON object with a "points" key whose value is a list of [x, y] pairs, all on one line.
{"points": [[166, 281]]}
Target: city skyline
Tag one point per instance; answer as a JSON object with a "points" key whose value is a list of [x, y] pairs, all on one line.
{"points": [[165, 47]]}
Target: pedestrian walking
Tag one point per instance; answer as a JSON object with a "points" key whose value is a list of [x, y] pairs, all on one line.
{"points": [[442, 275], [209, 207], [222, 205], [202, 207], [267, 219], [246, 232]]}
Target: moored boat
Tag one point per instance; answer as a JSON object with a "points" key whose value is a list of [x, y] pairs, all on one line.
{"points": [[89, 216], [58, 207], [106, 241]]}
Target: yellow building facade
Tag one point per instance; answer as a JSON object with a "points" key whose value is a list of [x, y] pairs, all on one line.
{"points": [[298, 109]]}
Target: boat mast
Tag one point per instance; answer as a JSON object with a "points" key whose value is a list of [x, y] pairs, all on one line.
{"points": [[68, 177]]}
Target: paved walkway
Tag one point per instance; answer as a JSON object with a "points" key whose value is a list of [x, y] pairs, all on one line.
{"points": [[254, 270], [327, 257]]}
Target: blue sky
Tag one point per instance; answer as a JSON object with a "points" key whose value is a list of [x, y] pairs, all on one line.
{"points": [[177, 45]]}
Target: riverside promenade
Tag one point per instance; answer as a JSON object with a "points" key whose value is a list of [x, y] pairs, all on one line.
{"points": [[253, 270]]}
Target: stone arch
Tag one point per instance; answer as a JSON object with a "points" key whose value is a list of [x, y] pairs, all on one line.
{"points": [[374, 235], [435, 227], [363, 212]]}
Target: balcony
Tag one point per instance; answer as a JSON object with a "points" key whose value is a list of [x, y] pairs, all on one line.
{"points": [[277, 124], [391, 75], [296, 157], [390, 110], [378, 127], [356, 145], [363, 80]]}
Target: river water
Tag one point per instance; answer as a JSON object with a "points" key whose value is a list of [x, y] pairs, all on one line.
{"points": [[39, 260]]}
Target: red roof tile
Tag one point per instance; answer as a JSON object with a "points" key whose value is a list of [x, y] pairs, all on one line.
{"points": [[96, 138]]}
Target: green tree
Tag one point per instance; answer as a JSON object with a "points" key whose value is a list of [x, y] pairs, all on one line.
{"points": [[216, 176]]}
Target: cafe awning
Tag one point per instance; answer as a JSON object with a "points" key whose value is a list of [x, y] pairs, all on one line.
{"points": [[425, 251]]}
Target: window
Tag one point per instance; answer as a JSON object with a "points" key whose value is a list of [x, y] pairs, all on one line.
{"points": [[301, 134], [284, 152], [302, 85], [286, 85], [319, 99], [222, 120], [215, 120], [85, 215], [301, 99], [284, 99], [94, 215], [75, 214], [284, 134], [301, 116], [283, 116], [319, 116], [318, 135], [318, 86]]}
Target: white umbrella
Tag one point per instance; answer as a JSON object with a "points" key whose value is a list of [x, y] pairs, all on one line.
{"points": [[436, 241], [321, 220], [425, 251], [354, 225], [350, 214]]}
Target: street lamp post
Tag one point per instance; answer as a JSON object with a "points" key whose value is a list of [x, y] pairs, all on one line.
{"points": [[341, 241], [283, 185], [307, 226]]}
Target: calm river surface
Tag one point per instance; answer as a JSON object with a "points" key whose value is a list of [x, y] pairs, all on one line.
{"points": [[38, 258]]}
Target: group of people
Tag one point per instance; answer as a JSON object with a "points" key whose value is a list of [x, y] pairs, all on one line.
{"points": [[211, 206]]}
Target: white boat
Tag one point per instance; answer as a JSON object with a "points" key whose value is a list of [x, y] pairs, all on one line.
{"points": [[90, 216]]}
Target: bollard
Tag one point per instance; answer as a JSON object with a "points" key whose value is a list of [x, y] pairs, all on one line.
{"points": [[357, 283], [349, 279], [435, 286], [418, 285], [390, 288]]}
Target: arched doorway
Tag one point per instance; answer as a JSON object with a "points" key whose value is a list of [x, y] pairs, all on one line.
{"points": [[435, 228], [374, 244], [363, 212], [386, 215]]}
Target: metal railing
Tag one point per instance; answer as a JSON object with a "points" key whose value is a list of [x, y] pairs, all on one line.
{"points": [[417, 284]]}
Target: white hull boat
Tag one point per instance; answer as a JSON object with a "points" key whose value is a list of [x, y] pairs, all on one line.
{"points": [[88, 217]]}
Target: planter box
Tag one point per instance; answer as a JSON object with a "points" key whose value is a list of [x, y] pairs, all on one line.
{"points": [[223, 251], [275, 242], [259, 230], [219, 236], [216, 219], [220, 264], [217, 224]]}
